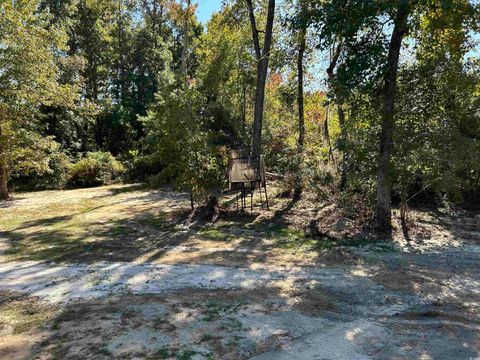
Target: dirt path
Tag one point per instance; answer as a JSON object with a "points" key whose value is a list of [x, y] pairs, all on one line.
{"points": [[66, 283], [357, 312], [235, 291]]}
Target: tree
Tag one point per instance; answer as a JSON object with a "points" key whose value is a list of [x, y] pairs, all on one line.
{"points": [[446, 23], [353, 37], [383, 211], [179, 131], [437, 119], [226, 73], [28, 78], [302, 38], [262, 56]]}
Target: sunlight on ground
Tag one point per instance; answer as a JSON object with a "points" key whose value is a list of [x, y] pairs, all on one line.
{"points": [[116, 272], [132, 223]]}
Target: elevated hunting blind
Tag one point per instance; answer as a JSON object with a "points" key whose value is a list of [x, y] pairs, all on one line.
{"points": [[245, 175]]}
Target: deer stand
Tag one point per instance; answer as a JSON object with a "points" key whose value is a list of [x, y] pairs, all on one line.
{"points": [[246, 175]]}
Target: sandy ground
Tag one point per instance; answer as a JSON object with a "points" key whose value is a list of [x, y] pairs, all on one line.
{"points": [[368, 302]]}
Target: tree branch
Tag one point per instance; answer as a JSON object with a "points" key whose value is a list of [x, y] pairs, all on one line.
{"points": [[268, 28], [334, 59], [253, 24]]}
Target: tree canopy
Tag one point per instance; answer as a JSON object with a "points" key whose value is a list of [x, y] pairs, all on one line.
{"points": [[378, 98]]}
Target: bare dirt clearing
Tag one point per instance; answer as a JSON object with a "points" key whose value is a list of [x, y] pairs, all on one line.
{"points": [[113, 272]]}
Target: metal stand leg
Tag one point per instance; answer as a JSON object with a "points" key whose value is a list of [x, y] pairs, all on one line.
{"points": [[260, 192], [252, 188], [266, 196], [244, 201]]}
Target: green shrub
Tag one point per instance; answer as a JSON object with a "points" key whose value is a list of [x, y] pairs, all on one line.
{"points": [[56, 176], [143, 167], [96, 168], [39, 164], [179, 144]]}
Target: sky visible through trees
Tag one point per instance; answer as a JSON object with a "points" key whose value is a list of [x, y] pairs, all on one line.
{"points": [[206, 8]]}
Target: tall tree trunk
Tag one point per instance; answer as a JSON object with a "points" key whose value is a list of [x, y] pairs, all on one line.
{"points": [[301, 114], [340, 111], [243, 103], [184, 61], [122, 86], [383, 211], [343, 135], [259, 107], [326, 136], [262, 56], [3, 170], [186, 45], [243, 109]]}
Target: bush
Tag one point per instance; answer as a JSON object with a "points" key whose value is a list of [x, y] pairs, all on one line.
{"points": [[57, 175], [39, 164], [179, 144], [96, 168], [141, 168]]}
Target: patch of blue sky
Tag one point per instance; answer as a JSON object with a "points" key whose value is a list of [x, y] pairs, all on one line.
{"points": [[205, 9]]}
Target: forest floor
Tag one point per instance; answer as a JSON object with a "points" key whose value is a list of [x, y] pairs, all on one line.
{"points": [[116, 272]]}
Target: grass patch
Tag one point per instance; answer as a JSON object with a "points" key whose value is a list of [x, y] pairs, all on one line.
{"points": [[69, 240], [215, 309], [323, 244], [162, 353], [24, 315], [54, 251], [64, 226], [233, 323], [156, 221], [215, 233], [119, 231], [288, 238]]}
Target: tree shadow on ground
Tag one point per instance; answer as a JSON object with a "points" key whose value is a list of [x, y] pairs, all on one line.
{"points": [[243, 322], [113, 191], [153, 228], [5, 204], [145, 232], [239, 240]]}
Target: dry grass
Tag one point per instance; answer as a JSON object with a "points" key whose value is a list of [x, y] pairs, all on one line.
{"points": [[23, 323], [132, 223]]}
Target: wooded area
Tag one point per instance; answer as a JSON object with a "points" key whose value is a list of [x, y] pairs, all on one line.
{"points": [[291, 179], [93, 91]]}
